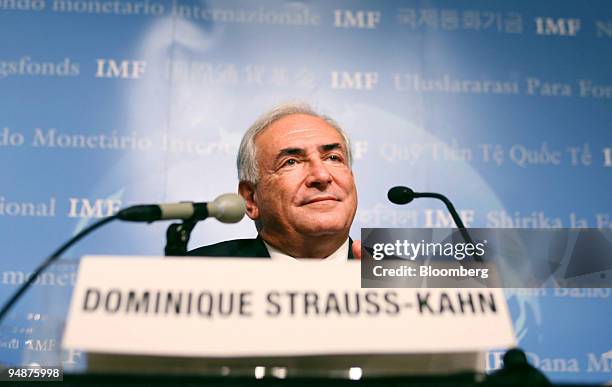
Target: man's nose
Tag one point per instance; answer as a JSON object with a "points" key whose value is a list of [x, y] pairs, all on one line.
{"points": [[318, 174]]}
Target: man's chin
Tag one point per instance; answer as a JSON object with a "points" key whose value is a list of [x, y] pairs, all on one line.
{"points": [[324, 230], [322, 223]]}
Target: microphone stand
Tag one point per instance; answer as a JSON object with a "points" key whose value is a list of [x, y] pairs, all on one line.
{"points": [[404, 195], [451, 209], [177, 237]]}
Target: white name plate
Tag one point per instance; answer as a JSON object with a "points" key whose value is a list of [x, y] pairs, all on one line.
{"points": [[219, 308]]}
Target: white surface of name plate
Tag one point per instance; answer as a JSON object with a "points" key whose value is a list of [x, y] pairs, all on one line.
{"points": [[211, 307]]}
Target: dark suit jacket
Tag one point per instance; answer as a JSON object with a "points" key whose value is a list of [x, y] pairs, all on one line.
{"points": [[241, 248]]}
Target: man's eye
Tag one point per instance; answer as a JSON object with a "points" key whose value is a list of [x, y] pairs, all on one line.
{"points": [[290, 162], [335, 158]]}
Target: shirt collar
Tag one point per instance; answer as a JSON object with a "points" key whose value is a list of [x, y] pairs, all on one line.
{"points": [[340, 255]]}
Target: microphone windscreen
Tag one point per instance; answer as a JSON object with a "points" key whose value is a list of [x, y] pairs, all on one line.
{"points": [[400, 195], [228, 208]]}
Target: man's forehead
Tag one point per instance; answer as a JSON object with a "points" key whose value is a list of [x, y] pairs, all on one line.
{"points": [[299, 131]]}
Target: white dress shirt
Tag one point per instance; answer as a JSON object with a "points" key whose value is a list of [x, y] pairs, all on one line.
{"points": [[340, 255]]}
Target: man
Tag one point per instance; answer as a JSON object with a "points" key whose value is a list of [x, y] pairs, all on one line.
{"points": [[294, 167]]}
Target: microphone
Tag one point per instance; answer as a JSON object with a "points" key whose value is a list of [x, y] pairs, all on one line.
{"points": [[404, 195], [401, 195], [227, 208]]}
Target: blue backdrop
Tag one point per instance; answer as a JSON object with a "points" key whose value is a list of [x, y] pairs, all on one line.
{"points": [[505, 106]]}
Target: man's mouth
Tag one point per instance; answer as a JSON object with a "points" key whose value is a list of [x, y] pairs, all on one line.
{"points": [[322, 198]]}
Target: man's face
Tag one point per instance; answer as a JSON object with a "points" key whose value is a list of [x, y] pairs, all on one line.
{"points": [[306, 187]]}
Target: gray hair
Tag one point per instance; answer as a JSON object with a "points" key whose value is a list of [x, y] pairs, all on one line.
{"points": [[247, 153]]}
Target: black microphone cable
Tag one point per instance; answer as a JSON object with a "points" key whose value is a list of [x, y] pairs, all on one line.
{"points": [[52, 258]]}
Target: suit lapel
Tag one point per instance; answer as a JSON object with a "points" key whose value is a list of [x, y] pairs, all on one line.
{"points": [[255, 249]]}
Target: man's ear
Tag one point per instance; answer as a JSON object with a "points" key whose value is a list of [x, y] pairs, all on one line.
{"points": [[247, 191]]}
